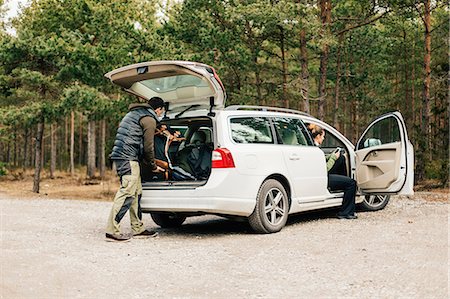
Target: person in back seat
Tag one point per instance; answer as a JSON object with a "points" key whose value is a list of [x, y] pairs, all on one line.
{"points": [[337, 182]]}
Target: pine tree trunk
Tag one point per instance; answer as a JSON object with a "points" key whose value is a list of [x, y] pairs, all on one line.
{"points": [[102, 148], [91, 150], [65, 146], [80, 141], [16, 148], [259, 99], [325, 15], [424, 147], [284, 68], [413, 95], [351, 101], [38, 155], [336, 88], [33, 146], [8, 153], [25, 149], [43, 147], [408, 108], [304, 79], [53, 142], [72, 143]]}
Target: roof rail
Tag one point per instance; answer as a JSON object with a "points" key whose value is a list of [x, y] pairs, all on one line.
{"points": [[265, 108]]}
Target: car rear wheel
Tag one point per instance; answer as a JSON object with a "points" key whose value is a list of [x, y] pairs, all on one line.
{"points": [[272, 208], [167, 220], [374, 202]]}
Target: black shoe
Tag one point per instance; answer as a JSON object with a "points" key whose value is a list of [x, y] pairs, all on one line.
{"points": [[118, 238], [347, 216], [147, 233]]}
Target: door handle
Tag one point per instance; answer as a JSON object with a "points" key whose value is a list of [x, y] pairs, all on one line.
{"points": [[294, 157]]}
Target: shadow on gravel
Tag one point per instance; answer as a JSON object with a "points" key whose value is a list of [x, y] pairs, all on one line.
{"points": [[211, 227], [218, 226], [311, 216]]}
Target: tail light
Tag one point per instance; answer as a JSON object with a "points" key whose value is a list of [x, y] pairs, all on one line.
{"points": [[222, 158]]}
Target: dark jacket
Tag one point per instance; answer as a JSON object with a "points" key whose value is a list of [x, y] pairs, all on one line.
{"points": [[134, 139]]}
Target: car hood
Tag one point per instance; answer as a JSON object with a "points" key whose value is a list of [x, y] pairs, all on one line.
{"points": [[183, 85]]}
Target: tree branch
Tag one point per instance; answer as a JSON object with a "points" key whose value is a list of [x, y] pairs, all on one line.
{"points": [[437, 26], [363, 23]]}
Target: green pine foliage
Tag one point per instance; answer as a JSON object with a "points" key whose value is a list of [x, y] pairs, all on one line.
{"points": [[55, 63]]}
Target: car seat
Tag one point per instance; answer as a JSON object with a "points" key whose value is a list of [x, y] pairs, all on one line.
{"points": [[195, 158], [289, 137], [198, 138]]}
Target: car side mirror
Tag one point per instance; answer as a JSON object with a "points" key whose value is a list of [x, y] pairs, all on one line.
{"points": [[372, 142]]}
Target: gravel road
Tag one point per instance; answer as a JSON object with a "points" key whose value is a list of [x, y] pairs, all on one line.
{"points": [[56, 249]]}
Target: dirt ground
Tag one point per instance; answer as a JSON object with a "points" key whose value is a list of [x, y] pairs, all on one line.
{"points": [[63, 186], [19, 184], [52, 247]]}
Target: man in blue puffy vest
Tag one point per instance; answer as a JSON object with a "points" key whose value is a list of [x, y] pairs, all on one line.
{"points": [[134, 142]]}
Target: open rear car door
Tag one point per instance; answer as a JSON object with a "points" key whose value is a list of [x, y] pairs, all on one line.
{"points": [[183, 85], [385, 157]]}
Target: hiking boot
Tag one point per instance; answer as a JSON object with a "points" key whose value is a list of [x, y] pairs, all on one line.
{"points": [[347, 216], [147, 233], [116, 238]]}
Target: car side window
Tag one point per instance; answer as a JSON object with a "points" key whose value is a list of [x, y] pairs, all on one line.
{"points": [[290, 131], [251, 130], [382, 132], [330, 142]]}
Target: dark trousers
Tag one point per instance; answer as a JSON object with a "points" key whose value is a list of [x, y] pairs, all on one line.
{"points": [[339, 182], [339, 166]]}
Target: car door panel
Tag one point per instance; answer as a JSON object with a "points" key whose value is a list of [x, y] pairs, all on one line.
{"points": [[384, 157], [305, 163], [378, 168], [307, 172]]}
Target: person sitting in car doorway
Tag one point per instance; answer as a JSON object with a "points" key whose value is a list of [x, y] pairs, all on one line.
{"points": [[337, 182], [134, 141]]}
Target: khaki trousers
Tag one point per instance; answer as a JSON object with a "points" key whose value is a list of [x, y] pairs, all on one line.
{"points": [[127, 199]]}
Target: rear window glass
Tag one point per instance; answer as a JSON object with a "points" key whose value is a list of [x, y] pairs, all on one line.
{"points": [[160, 85], [251, 130]]}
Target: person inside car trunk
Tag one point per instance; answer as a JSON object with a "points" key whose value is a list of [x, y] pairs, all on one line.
{"points": [[335, 181], [134, 142]]}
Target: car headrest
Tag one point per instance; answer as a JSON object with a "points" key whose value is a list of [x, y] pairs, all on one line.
{"points": [[289, 137], [198, 137]]}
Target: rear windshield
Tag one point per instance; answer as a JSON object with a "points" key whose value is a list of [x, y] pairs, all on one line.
{"points": [[160, 85]]}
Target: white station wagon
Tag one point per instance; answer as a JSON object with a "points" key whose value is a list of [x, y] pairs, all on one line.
{"points": [[256, 162]]}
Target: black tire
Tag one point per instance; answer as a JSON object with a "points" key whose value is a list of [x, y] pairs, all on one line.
{"points": [[272, 208], [168, 220], [374, 202]]}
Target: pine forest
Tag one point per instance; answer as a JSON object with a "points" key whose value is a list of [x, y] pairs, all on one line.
{"points": [[343, 61]]}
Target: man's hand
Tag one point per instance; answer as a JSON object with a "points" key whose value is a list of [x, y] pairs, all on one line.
{"points": [[158, 169]]}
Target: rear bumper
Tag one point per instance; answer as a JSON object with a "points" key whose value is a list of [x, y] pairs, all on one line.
{"points": [[210, 205], [226, 192]]}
